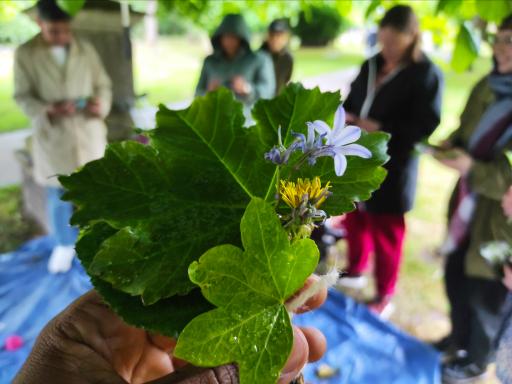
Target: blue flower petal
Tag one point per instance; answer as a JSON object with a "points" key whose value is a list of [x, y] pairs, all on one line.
{"points": [[354, 150], [340, 164]]}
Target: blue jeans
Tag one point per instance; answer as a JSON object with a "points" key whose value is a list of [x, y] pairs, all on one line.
{"points": [[59, 214]]}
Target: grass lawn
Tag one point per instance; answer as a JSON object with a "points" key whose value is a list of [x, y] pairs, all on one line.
{"points": [[12, 117], [315, 61], [14, 229]]}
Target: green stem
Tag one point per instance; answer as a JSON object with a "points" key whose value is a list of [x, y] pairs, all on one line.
{"points": [[278, 181]]}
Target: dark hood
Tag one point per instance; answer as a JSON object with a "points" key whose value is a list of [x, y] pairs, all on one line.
{"points": [[233, 24]]}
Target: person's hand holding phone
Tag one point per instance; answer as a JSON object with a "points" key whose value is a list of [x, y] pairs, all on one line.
{"points": [[507, 279], [61, 109], [213, 85], [93, 107], [437, 151], [445, 145], [506, 203], [351, 118], [456, 159], [240, 86], [369, 125]]}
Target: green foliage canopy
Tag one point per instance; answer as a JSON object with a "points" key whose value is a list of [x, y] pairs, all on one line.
{"points": [[437, 16]]}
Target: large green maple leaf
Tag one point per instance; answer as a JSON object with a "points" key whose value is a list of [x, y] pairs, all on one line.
{"points": [[251, 325], [173, 199], [168, 316], [185, 192]]}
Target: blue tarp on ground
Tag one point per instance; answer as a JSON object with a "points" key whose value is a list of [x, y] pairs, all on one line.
{"points": [[363, 348], [366, 350], [30, 297]]}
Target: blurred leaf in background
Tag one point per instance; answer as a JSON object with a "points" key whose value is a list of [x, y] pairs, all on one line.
{"points": [[440, 28], [71, 7], [15, 26], [466, 49], [493, 10], [449, 7], [319, 26]]}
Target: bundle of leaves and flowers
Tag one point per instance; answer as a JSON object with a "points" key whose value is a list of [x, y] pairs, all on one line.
{"points": [[203, 234]]}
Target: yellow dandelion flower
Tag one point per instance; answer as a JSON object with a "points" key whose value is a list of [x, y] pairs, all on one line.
{"points": [[294, 193]]}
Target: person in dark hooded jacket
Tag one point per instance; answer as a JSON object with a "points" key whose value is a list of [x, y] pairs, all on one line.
{"points": [[250, 75]]}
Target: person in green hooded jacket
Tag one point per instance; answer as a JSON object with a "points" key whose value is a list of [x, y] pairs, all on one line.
{"points": [[250, 75]]}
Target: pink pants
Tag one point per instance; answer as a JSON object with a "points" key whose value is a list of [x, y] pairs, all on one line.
{"points": [[381, 233]]}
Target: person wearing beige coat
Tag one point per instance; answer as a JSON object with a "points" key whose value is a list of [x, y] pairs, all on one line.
{"points": [[62, 144], [61, 85]]}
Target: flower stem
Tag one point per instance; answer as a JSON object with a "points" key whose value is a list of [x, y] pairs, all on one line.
{"points": [[278, 181]]}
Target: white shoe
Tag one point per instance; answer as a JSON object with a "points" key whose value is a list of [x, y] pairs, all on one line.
{"points": [[388, 311], [61, 258], [382, 307], [353, 282]]}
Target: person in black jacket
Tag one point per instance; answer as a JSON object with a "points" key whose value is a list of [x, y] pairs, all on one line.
{"points": [[397, 91]]}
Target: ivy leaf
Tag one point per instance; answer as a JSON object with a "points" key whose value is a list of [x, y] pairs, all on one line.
{"points": [[250, 325]]}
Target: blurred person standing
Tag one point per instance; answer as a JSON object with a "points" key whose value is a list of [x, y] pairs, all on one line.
{"points": [[504, 352], [60, 83], [477, 151], [397, 91], [276, 45], [234, 65]]}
